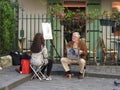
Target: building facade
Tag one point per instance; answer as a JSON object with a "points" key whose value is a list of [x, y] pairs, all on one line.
{"points": [[37, 10]]}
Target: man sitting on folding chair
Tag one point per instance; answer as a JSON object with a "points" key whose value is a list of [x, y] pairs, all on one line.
{"points": [[39, 59]]}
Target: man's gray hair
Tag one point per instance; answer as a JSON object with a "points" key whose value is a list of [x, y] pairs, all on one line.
{"points": [[76, 34]]}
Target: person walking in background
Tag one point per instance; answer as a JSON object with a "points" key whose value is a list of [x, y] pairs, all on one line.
{"points": [[82, 52], [37, 57]]}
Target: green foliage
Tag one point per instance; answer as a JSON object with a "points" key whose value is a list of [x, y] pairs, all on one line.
{"points": [[69, 14], [116, 15], [93, 14], [55, 9], [7, 27]]}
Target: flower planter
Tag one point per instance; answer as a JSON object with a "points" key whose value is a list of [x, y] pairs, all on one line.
{"points": [[107, 22], [117, 33]]}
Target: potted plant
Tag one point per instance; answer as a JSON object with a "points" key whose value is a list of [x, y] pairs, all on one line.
{"points": [[116, 16], [109, 19], [117, 30]]}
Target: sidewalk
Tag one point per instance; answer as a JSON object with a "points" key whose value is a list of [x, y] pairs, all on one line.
{"points": [[9, 78]]}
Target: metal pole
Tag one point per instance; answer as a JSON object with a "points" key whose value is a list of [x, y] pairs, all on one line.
{"points": [[51, 41], [62, 40], [22, 31]]}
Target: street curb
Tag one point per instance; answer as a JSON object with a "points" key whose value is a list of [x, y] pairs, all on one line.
{"points": [[87, 74], [103, 76], [16, 83]]}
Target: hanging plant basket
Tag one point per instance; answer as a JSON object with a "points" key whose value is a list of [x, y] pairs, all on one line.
{"points": [[107, 22]]}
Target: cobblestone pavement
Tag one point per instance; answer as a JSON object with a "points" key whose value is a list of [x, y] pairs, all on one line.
{"points": [[9, 79], [61, 83]]}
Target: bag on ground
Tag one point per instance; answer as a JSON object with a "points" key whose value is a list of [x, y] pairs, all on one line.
{"points": [[15, 58]]}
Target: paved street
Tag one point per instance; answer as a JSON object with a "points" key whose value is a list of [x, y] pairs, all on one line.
{"points": [[61, 83]]}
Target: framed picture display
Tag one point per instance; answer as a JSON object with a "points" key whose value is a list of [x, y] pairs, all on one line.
{"points": [[73, 53], [47, 31]]}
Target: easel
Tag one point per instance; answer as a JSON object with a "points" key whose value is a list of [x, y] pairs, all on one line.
{"points": [[47, 33], [51, 41]]}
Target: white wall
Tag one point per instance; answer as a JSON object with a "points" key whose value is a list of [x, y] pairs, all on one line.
{"points": [[106, 5], [31, 7]]}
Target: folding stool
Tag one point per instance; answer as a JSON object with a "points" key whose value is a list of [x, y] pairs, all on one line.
{"points": [[37, 72]]}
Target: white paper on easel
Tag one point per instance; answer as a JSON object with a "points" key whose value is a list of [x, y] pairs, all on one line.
{"points": [[47, 31]]}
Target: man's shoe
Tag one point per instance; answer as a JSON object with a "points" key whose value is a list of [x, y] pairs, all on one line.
{"points": [[80, 76], [68, 76]]}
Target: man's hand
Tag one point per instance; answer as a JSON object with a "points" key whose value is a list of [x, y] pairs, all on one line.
{"points": [[80, 52]]}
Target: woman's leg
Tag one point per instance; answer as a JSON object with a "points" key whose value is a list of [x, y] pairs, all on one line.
{"points": [[43, 69], [49, 67]]}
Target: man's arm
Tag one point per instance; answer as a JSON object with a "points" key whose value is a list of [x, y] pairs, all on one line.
{"points": [[83, 50], [68, 45]]}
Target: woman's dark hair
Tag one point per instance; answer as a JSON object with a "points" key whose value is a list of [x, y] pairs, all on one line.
{"points": [[38, 41]]}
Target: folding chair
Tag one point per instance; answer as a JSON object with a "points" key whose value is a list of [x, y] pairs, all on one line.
{"points": [[37, 72], [93, 52], [112, 52]]}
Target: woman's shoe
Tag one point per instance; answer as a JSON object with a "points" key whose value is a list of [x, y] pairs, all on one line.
{"points": [[0, 68], [17, 70], [49, 78]]}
